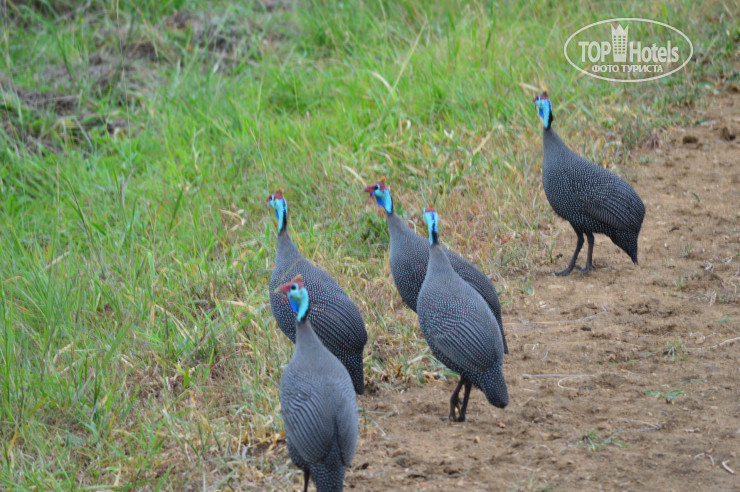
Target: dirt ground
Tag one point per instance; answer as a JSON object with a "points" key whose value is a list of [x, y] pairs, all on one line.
{"points": [[624, 379]]}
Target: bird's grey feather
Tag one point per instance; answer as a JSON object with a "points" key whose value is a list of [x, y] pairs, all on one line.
{"points": [[335, 318], [409, 256], [307, 414], [460, 328], [591, 198], [319, 410]]}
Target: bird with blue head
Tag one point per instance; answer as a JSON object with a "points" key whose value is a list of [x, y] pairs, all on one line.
{"points": [[460, 328], [336, 319], [317, 401], [593, 199]]}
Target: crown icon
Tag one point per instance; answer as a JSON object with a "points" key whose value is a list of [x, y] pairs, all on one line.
{"points": [[619, 44]]}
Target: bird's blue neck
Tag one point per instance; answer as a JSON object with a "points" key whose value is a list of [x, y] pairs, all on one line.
{"points": [[299, 307], [433, 234], [383, 197], [545, 110], [281, 212]]}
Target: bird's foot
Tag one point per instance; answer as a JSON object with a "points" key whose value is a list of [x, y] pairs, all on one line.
{"points": [[456, 414], [566, 271], [584, 270]]}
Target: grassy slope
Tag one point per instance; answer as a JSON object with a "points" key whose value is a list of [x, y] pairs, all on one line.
{"points": [[139, 145]]}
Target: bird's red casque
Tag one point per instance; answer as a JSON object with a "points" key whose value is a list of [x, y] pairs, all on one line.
{"points": [[277, 195], [371, 187], [298, 279]]}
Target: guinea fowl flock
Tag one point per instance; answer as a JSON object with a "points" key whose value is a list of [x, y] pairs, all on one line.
{"points": [[457, 306]]}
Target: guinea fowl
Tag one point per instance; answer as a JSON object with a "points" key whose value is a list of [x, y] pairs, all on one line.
{"points": [[317, 401], [410, 253], [591, 198], [335, 318], [460, 329]]}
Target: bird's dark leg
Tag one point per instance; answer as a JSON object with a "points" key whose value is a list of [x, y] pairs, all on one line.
{"points": [[306, 476], [455, 402], [590, 239], [572, 263], [466, 396]]}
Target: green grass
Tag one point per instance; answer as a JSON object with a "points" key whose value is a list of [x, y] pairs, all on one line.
{"points": [[593, 441], [675, 350], [669, 397], [138, 145]]}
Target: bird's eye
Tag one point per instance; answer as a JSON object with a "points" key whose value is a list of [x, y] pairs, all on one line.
{"points": [[272, 197], [294, 287], [377, 187]]}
